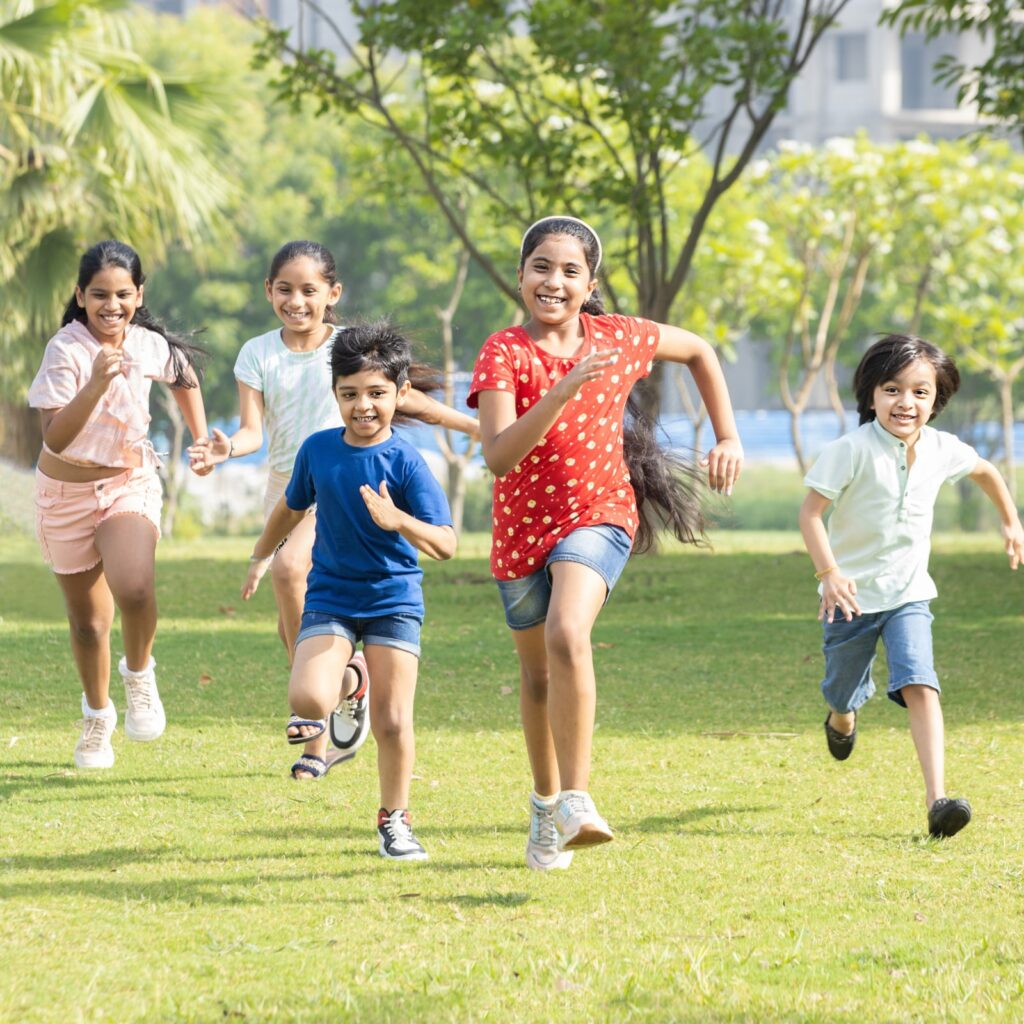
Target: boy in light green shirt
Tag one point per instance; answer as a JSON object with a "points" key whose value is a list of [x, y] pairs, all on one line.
{"points": [[883, 480]]}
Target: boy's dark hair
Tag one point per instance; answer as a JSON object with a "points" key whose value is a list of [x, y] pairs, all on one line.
{"points": [[314, 251], [379, 345], [890, 356], [111, 253], [667, 487]]}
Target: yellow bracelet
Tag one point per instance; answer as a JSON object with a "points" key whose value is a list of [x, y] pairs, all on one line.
{"points": [[824, 572]]}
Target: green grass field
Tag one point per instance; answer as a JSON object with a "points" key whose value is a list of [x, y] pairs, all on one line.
{"points": [[752, 878]]}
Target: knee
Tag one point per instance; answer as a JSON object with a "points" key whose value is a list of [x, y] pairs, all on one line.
{"points": [[90, 632], [916, 695], [391, 725], [137, 597], [567, 642], [288, 571]]}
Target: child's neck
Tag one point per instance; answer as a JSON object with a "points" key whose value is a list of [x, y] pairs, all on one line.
{"points": [[306, 342], [557, 339]]}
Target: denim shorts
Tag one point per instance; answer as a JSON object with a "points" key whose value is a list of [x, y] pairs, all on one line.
{"points": [[605, 549], [399, 631], [850, 650]]}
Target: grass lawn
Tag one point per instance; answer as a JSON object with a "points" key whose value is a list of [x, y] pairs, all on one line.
{"points": [[752, 878]]}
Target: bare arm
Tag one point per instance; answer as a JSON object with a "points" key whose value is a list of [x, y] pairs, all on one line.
{"points": [[281, 521], [838, 591], [725, 460], [506, 440], [422, 407], [436, 541], [248, 438], [989, 479]]}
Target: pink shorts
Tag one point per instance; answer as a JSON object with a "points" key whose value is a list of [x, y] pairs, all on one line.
{"points": [[67, 515]]}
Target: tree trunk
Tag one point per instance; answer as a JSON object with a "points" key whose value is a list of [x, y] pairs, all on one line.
{"points": [[172, 473], [1006, 403], [20, 433]]}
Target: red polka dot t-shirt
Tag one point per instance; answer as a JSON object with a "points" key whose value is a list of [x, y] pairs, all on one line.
{"points": [[577, 475]]}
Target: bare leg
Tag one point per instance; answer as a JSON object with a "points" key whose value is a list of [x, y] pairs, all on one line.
{"points": [[313, 689], [533, 709], [128, 546], [392, 696], [926, 728], [90, 610], [577, 595], [842, 721]]}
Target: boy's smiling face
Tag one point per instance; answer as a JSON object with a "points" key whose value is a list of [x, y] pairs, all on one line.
{"points": [[367, 401], [904, 403]]}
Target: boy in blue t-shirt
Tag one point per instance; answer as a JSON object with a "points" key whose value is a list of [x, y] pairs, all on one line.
{"points": [[378, 505]]}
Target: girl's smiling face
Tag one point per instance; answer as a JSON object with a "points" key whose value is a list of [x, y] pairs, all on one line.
{"points": [[904, 403], [555, 280], [110, 300], [300, 295]]}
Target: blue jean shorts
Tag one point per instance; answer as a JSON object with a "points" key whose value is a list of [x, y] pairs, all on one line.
{"points": [[399, 631], [850, 650], [605, 549]]}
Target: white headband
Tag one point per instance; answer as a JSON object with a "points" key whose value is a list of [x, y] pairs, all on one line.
{"points": [[575, 220]]}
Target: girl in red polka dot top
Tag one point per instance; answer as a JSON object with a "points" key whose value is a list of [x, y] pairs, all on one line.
{"points": [[580, 482]]}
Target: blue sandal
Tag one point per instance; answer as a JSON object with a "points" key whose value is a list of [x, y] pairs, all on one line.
{"points": [[311, 763], [320, 724]]}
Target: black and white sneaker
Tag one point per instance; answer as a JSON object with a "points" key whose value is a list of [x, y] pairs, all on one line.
{"points": [[350, 721], [396, 839]]}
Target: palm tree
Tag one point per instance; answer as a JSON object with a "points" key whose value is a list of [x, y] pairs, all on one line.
{"points": [[93, 143]]}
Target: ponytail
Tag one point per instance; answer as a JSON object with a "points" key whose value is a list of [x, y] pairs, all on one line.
{"points": [[667, 488]]}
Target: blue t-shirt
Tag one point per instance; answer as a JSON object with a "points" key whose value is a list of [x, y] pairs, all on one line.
{"points": [[360, 570]]}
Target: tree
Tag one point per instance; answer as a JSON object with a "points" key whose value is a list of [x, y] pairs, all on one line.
{"points": [[93, 143], [507, 107], [995, 84]]}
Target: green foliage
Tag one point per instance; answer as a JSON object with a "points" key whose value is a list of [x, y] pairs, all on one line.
{"points": [[995, 84], [513, 112], [94, 143]]}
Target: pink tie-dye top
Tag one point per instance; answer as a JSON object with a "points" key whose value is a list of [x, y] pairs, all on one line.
{"points": [[116, 432]]}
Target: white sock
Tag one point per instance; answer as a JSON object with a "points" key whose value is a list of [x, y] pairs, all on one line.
{"points": [[108, 712], [135, 672], [546, 801]]}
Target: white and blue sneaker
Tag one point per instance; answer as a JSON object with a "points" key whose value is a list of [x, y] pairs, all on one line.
{"points": [[578, 822], [542, 852]]}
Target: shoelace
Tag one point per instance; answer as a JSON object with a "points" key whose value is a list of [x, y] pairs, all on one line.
{"points": [[348, 707], [398, 829], [94, 732], [577, 803], [542, 827], [139, 693]]}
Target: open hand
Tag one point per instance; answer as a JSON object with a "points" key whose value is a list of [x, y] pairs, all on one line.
{"points": [[838, 594], [257, 570], [723, 464], [383, 510]]}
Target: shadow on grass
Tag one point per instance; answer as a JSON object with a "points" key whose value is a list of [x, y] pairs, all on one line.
{"points": [[679, 822]]}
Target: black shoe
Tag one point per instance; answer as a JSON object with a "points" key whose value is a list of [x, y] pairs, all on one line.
{"points": [[947, 816], [840, 745]]}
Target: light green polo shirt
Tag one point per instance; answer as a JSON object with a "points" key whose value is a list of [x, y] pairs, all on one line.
{"points": [[880, 527]]}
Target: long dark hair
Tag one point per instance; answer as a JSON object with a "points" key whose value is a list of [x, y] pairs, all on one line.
{"points": [[319, 254], [379, 345], [184, 356], [890, 356], [668, 489]]}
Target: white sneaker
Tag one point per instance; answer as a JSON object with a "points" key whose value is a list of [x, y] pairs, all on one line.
{"points": [[93, 749], [542, 853], [350, 721], [396, 839], [144, 718], [578, 822]]}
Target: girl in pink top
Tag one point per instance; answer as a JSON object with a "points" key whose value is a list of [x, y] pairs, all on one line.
{"points": [[579, 484], [98, 494]]}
